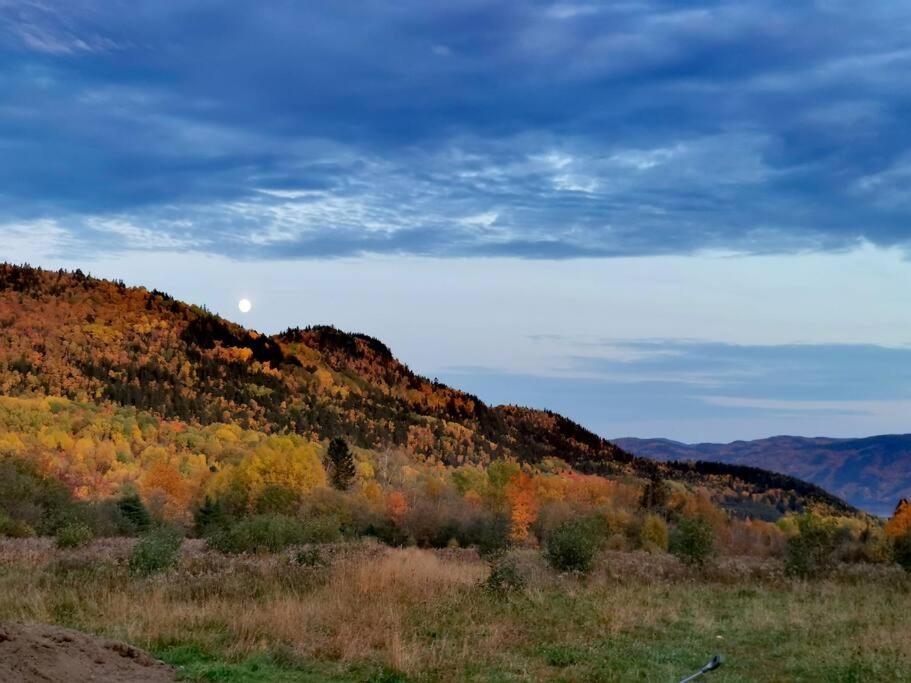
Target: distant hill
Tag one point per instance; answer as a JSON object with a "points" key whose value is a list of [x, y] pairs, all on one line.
{"points": [[96, 341], [872, 473]]}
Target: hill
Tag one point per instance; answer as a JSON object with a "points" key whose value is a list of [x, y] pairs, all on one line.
{"points": [[94, 341], [871, 473]]}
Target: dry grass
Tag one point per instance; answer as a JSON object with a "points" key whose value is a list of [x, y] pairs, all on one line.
{"points": [[426, 614]]}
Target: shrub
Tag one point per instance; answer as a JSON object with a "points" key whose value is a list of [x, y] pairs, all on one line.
{"points": [[347, 511], [157, 551], [902, 551], [277, 500], [809, 553], [259, 533], [310, 556], [693, 540], [871, 545], [489, 534], [653, 533], [504, 577], [74, 535], [272, 533], [322, 529], [33, 500], [431, 523], [385, 531], [14, 528], [572, 546], [655, 495]]}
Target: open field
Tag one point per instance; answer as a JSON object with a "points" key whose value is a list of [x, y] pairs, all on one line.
{"points": [[364, 611]]}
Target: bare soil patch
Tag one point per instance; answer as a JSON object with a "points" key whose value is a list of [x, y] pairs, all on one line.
{"points": [[50, 654]]}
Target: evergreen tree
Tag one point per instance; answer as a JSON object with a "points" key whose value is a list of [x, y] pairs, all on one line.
{"points": [[341, 464], [132, 507], [208, 517]]}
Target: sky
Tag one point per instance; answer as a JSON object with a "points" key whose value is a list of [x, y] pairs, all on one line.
{"points": [[677, 219]]}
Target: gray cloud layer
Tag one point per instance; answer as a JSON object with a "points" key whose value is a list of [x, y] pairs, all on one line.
{"points": [[524, 129]]}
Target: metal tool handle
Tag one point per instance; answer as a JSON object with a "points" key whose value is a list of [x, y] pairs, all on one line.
{"points": [[715, 662]]}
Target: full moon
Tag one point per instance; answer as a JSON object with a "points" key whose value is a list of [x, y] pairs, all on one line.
{"points": [[244, 305]]}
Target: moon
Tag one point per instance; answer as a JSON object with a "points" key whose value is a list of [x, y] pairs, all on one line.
{"points": [[244, 305]]}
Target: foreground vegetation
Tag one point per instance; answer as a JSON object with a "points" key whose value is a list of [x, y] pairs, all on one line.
{"points": [[362, 611]]}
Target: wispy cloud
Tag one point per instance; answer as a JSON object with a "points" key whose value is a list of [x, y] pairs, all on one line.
{"points": [[697, 390]]}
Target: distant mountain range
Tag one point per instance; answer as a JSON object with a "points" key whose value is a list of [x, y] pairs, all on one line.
{"points": [[872, 473]]}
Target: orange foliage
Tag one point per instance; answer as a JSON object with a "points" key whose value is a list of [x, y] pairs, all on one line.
{"points": [[396, 506], [523, 505], [163, 485], [900, 522]]}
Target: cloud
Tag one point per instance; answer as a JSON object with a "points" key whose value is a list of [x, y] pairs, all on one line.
{"points": [[803, 374], [589, 129], [696, 390]]}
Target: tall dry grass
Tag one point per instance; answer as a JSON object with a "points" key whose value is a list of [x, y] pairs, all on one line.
{"points": [[360, 607], [426, 613]]}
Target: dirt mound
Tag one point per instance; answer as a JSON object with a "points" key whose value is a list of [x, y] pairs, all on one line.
{"points": [[48, 654]]}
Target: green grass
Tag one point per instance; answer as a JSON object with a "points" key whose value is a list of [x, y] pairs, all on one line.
{"points": [[196, 665]]}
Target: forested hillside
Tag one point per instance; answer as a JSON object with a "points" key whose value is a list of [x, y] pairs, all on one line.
{"points": [[873, 473], [98, 342]]}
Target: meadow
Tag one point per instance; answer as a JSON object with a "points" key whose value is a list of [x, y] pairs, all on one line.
{"points": [[360, 611]]}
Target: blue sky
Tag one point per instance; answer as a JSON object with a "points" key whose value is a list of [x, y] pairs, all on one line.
{"points": [[684, 219]]}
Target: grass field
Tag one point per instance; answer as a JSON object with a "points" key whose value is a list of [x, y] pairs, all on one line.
{"points": [[366, 612]]}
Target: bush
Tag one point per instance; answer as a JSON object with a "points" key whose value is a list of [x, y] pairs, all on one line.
{"points": [[504, 577], [14, 528], [273, 533], [260, 533], [902, 551], [322, 529], [810, 552], [310, 556], [277, 500], [74, 535], [156, 551], [655, 495], [693, 540], [572, 546], [32, 500], [489, 534], [387, 532], [653, 534], [871, 546]]}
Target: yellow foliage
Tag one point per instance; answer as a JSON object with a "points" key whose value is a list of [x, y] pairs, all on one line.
{"points": [[233, 354], [364, 470], [11, 444], [372, 492], [281, 461], [653, 535]]}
